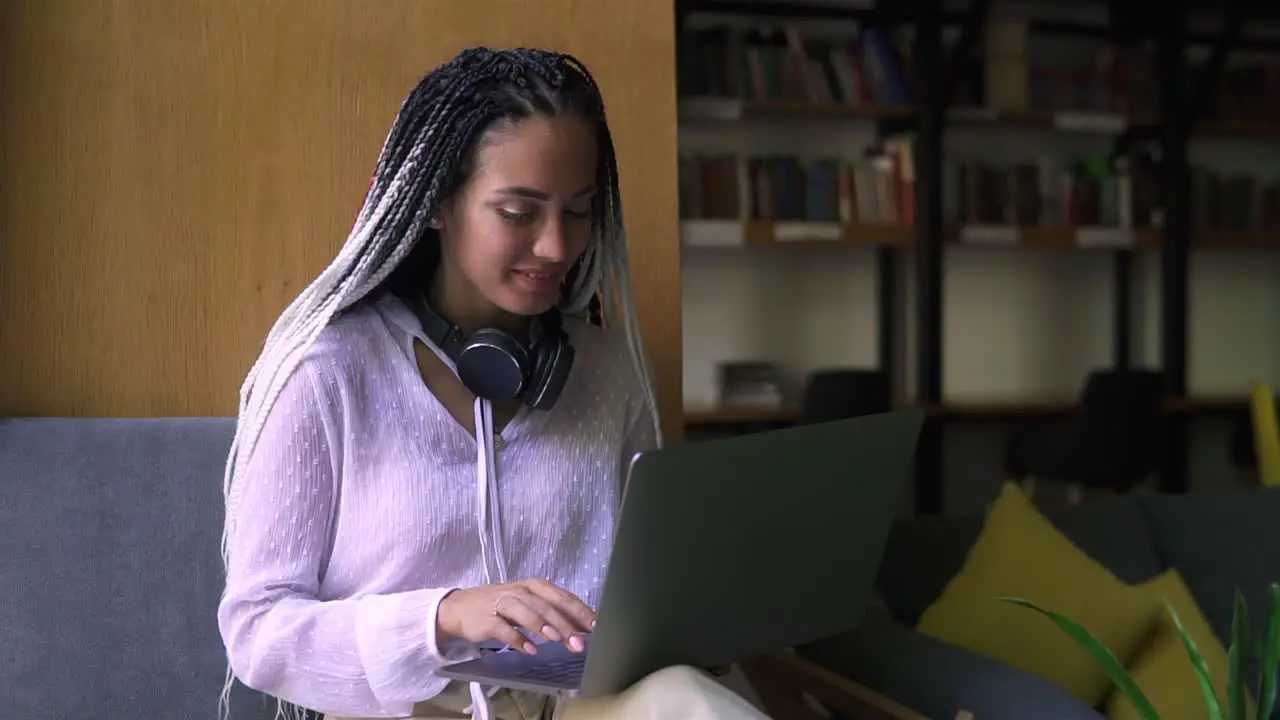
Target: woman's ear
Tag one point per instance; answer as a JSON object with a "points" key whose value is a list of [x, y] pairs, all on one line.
{"points": [[437, 219]]}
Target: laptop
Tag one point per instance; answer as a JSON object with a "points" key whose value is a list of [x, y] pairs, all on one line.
{"points": [[730, 548]]}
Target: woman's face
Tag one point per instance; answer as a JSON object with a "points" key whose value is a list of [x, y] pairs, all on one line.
{"points": [[523, 219]]}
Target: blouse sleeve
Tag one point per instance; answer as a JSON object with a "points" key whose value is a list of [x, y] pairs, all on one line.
{"points": [[369, 656]]}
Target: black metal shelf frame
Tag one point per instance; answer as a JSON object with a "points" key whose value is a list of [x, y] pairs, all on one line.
{"points": [[938, 75]]}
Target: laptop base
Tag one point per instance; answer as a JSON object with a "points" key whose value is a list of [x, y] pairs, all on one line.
{"points": [[555, 670]]}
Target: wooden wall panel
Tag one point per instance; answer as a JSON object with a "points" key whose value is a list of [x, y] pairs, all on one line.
{"points": [[173, 173]]}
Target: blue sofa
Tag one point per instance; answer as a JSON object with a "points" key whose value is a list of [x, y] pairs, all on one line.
{"points": [[1217, 541], [110, 570], [111, 574]]}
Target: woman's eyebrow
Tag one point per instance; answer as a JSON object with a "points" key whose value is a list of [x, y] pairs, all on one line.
{"points": [[533, 194]]}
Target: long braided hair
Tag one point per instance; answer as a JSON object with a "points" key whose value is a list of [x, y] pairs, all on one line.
{"points": [[427, 156]]}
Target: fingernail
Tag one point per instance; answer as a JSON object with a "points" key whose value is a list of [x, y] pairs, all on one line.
{"points": [[530, 648], [593, 623], [575, 644], [550, 633]]}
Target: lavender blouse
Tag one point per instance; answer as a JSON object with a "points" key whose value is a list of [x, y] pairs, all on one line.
{"points": [[365, 502]]}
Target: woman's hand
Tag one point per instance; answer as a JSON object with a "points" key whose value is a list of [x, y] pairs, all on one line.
{"points": [[497, 612]]}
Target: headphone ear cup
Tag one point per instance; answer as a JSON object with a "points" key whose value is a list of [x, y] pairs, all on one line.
{"points": [[493, 365], [543, 356], [552, 360]]}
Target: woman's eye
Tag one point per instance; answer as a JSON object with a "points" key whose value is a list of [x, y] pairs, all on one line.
{"points": [[513, 216], [581, 214]]}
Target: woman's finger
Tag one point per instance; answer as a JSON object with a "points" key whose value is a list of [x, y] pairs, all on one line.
{"points": [[559, 627], [517, 609], [503, 631], [583, 617]]}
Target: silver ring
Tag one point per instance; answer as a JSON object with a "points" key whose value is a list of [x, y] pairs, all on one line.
{"points": [[497, 603]]}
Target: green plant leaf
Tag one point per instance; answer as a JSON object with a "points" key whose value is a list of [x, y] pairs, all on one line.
{"points": [[1213, 710], [1113, 667], [1270, 656], [1239, 650]]}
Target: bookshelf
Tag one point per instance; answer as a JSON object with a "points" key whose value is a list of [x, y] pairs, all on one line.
{"points": [[953, 89]]}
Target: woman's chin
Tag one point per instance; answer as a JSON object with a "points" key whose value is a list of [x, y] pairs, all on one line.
{"points": [[523, 302], [530, 306]]}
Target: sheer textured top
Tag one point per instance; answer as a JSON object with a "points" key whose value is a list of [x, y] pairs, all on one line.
{"points": [[359, 510]]}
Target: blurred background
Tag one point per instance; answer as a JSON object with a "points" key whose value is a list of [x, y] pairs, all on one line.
{"points": [[975, 209], [970, 207]]}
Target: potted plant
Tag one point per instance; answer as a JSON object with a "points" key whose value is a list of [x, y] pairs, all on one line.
{"points": [[1235, 707]]}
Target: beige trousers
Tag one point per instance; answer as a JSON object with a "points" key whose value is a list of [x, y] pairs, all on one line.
{"points": [[676, 693]]}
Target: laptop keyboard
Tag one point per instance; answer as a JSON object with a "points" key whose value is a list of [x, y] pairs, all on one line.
{"points": [[555, 671]]}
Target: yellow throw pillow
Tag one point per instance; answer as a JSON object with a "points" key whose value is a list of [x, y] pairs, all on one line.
{"points": [[1019, 553], [1163, 669]]}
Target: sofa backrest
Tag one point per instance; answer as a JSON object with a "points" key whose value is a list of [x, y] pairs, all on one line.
{"points": [[110, 566], [1222, 542], [924, 553]]}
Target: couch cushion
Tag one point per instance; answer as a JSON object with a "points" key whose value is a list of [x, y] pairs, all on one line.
{"points": [[924, 553], [939, 680], [1163, 669], [1220, 542], [920, 558], [111, 569], [1021, 554]]}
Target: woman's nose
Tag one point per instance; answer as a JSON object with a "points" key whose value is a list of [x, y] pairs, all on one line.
{"points": [[552, 244]]}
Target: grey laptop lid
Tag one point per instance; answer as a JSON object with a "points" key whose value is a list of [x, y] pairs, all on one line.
{"points": [[729, 548]]}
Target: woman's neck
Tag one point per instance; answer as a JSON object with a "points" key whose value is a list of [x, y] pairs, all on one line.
{"points": [[458, 301]]}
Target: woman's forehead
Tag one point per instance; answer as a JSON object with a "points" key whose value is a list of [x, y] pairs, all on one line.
{"points": [[555, 156]]}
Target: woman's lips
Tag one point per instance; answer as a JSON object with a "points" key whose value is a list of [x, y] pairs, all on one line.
{"points": [[539, 281]]}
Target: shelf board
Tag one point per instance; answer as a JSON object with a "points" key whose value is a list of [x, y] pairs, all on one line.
{"points": [[1208, 404], [968, 410], [1238, 130], [1102, 238], [697, 234], [1077, 238], [978, 410], [712, 109], [1236, 239]]}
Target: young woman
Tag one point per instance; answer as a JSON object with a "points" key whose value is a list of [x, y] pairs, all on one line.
{"points": [[432, 445]]}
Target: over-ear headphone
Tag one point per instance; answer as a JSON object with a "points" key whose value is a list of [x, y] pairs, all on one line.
{"points": [[495, 365]]}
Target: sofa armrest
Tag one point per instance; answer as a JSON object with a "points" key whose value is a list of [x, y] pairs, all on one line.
{"points": [[939, 680], [782, 680]]}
